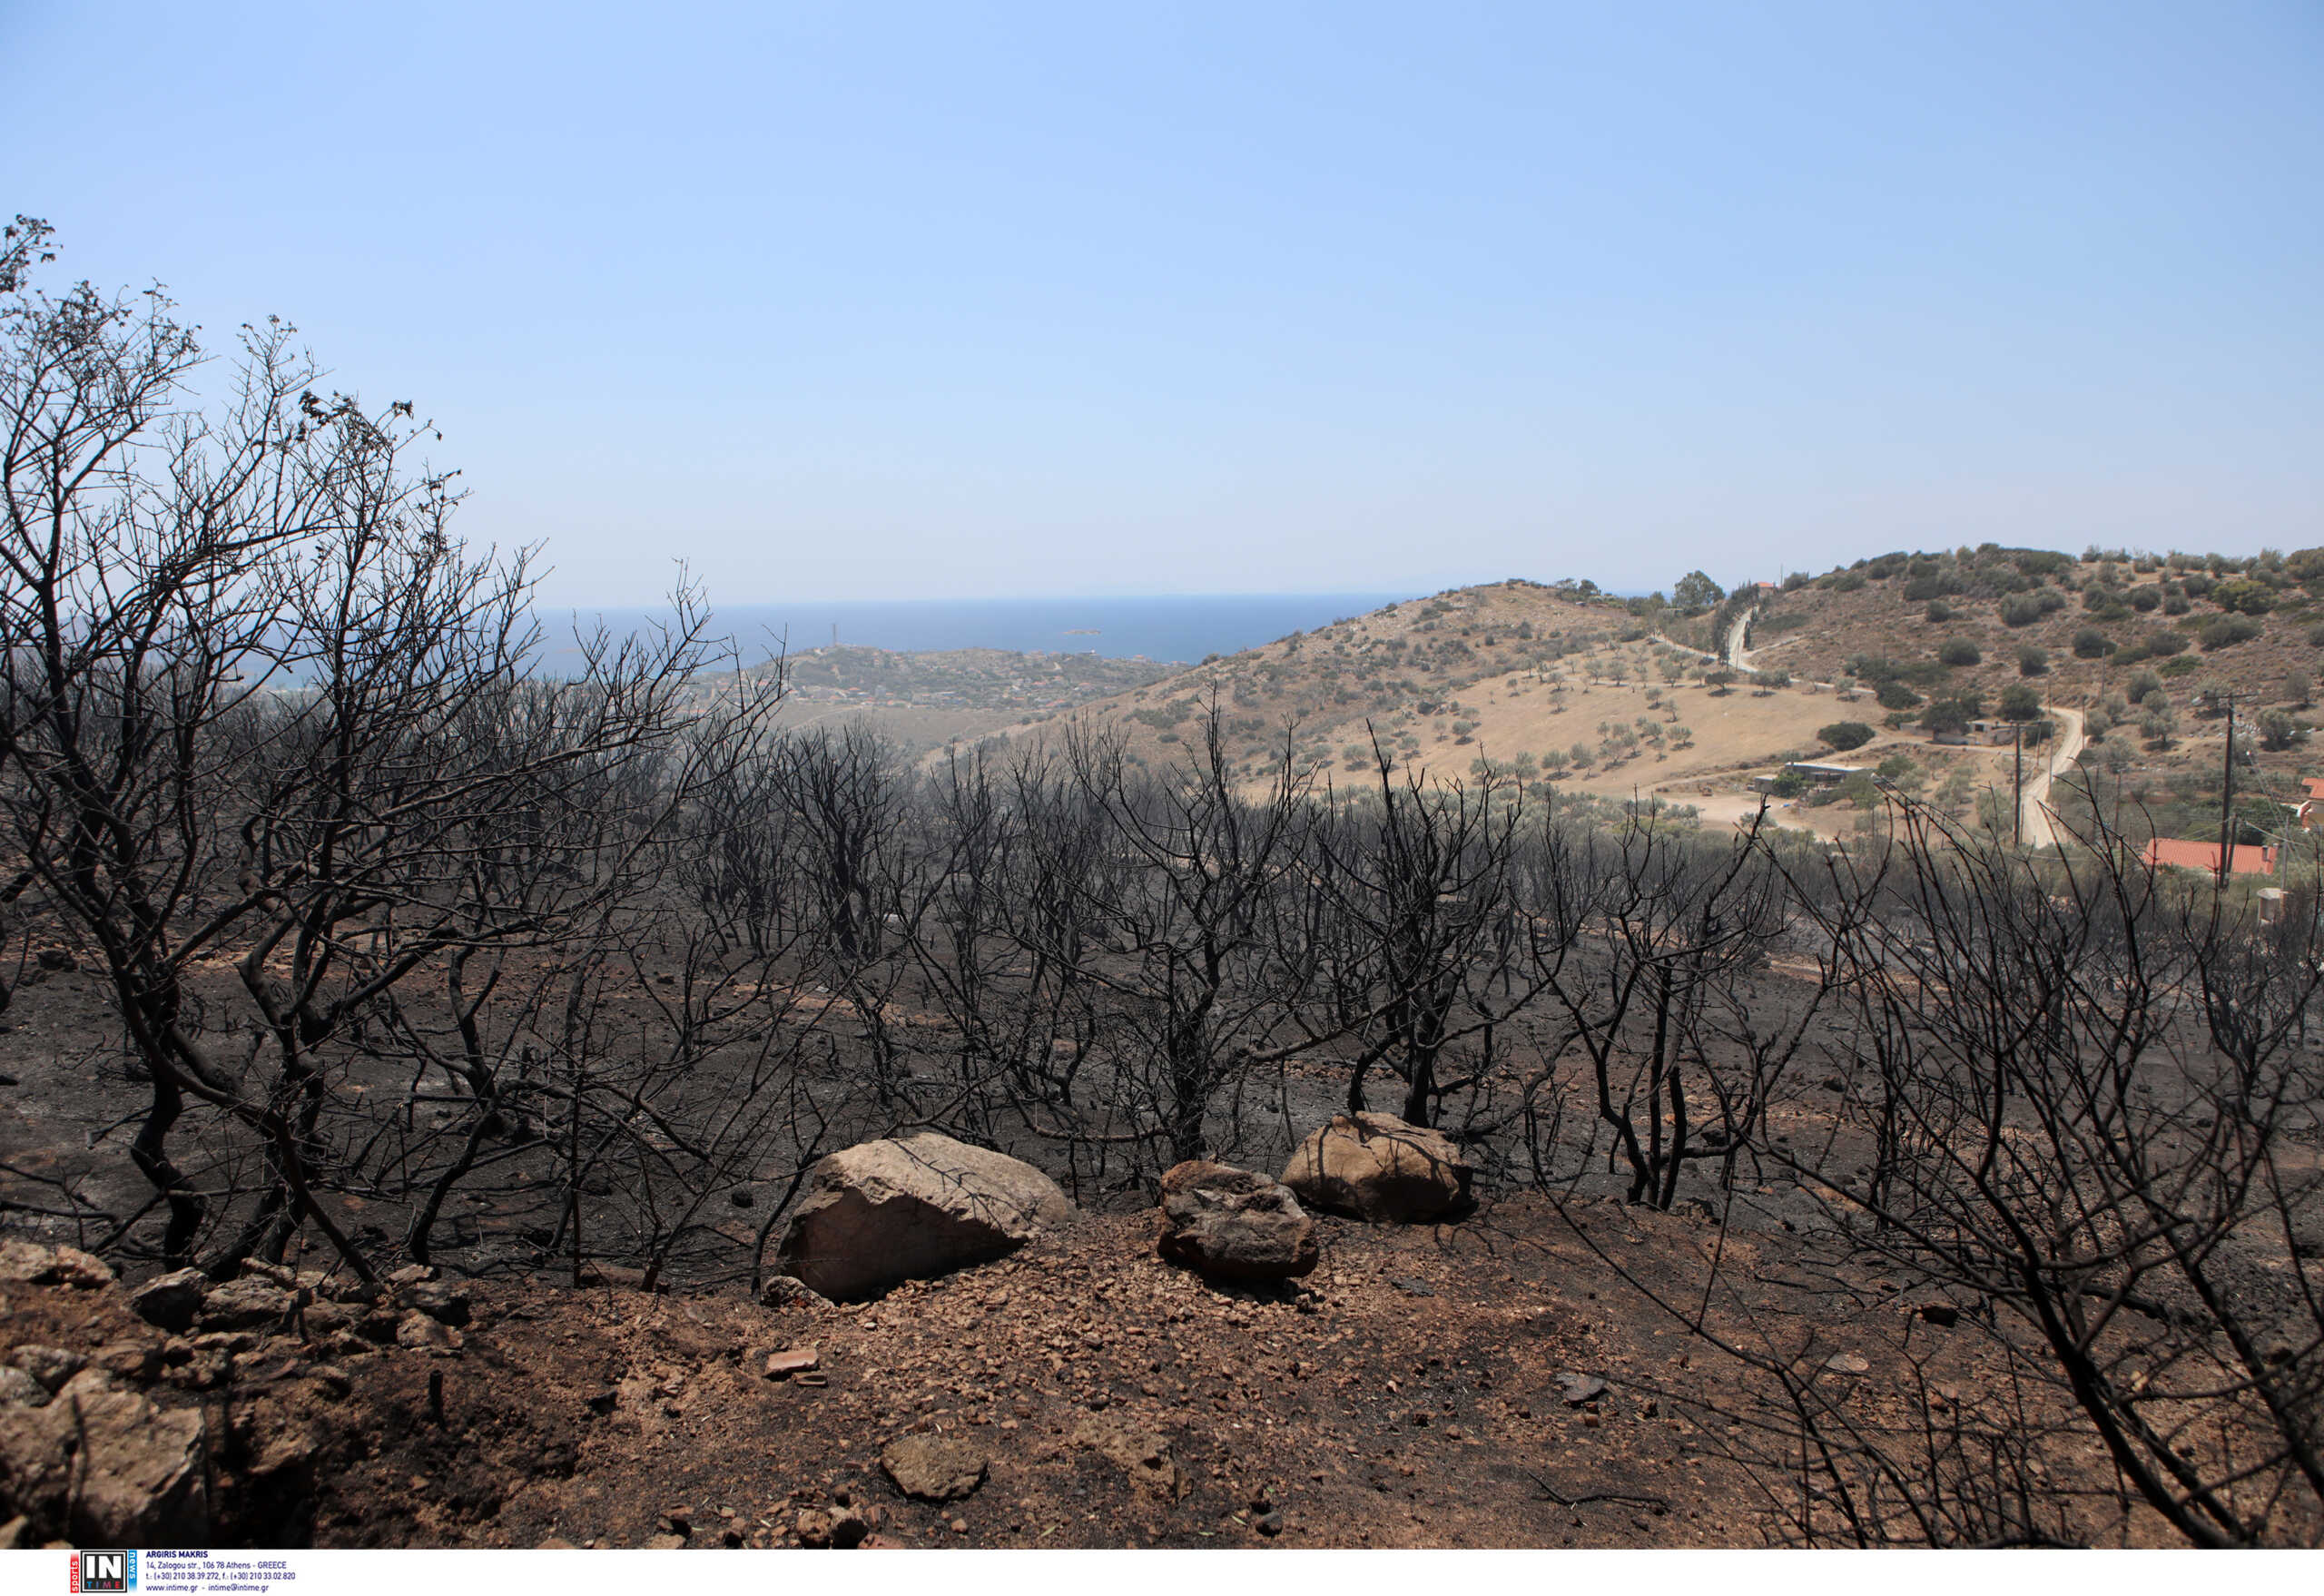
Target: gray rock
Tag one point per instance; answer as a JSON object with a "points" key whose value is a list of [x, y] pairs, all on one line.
{"points": [[51, 1365], [419, 1332], [18, 1389], [31, 1264], [444, 1303], [1581, 1388], [106, 1467], [781, 1291], [1235, 1224], [249, 1303], [884, 1212], [934, 1469], [171, 1301]]}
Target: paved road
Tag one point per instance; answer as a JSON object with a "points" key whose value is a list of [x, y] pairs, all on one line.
{"points": [[1737, 659], [2038, 821]]}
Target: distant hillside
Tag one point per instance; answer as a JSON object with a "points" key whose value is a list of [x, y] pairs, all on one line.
{"points": [[2153, 646], [923, 700], [1569, 687], [1555, 685]]}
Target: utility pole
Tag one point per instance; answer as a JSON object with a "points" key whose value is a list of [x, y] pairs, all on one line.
{"points": [[2227, 796], [2017, 779]]}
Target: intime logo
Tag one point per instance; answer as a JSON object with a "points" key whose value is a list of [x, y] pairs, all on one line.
{"points": [[105, 1570]]}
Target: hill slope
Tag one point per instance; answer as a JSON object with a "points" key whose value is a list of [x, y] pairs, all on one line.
{"points": [[1553, 684]]}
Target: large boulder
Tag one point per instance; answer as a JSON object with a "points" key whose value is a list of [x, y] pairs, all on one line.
{"points": [[1235, 1224], [1376, 1167], [884, 1212], [104, 1466]]}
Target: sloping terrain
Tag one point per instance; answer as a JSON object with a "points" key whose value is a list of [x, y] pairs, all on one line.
{"points": [[2152, 648], [1428, 1386], [1547, 683], [926, 699]]}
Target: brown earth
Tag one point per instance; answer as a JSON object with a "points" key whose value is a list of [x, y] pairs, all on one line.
{"points": [[1409, 1395]]}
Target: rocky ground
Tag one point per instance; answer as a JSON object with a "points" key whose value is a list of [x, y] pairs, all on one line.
{"points": [[1428, 1385]]}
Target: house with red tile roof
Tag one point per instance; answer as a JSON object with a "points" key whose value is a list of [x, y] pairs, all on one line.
{"points": [[2180, 853], [2315, 785]]}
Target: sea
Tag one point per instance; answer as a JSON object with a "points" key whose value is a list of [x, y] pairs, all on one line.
{"points": [[1181, 628]]}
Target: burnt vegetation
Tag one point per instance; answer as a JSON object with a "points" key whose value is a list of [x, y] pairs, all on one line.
{"points": [[414, 953]]}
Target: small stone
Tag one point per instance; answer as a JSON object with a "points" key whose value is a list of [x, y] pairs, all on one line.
{"points": [[246, 1303], [1581, 1388], [35, 1265], [960, 1526], [933, 1469], [1847, 1362], [18, 1389], [446, 1303], [332, 1378], [788, 1291], [51, 1365], [131, 1360], [665, 1542], [554, 1544], [1411, 1287], [326, 1319], [817, 1528], [420, 1333], [1268, 1524], [743, 1197], [412, 1275], [170, 1301], [16, 1535], [795, 1359]]}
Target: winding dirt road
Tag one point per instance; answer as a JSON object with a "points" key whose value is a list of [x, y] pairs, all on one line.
{"points": [[2036, 819]]}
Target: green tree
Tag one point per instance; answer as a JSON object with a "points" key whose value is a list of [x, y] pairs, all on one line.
{"points": [[1951, 715], [1696, 591]]}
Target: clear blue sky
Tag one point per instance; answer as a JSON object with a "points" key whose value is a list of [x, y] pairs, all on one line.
{"points": [[856, 300]]}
